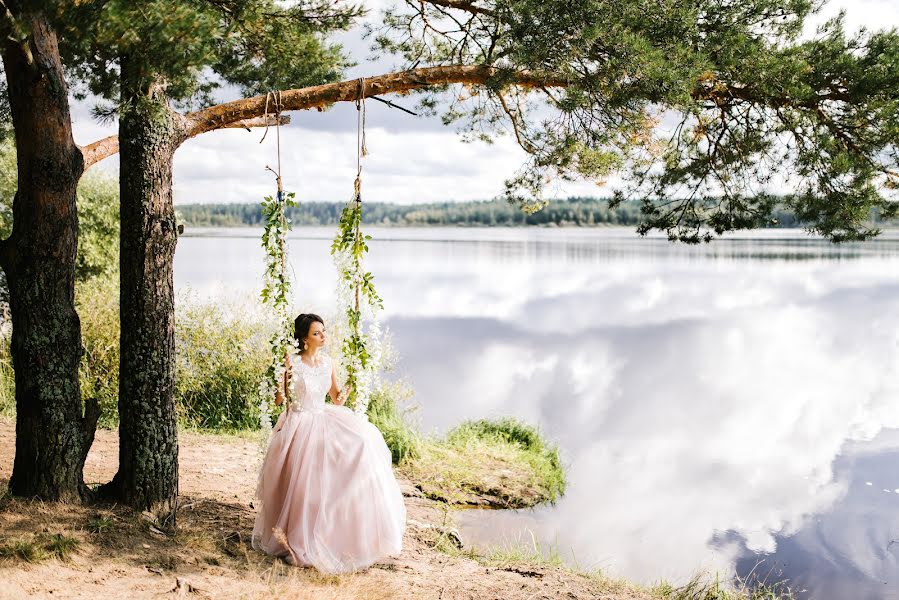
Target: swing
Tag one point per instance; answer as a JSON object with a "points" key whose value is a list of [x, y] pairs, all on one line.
{"points": [[360, 350]]}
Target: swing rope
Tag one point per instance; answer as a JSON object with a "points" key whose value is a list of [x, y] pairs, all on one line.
{"points": [[361, 150], [353, 284], [275, 98]]}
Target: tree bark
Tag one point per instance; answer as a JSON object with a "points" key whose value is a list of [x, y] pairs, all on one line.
{"points": [[52, 434], [149, 133]]}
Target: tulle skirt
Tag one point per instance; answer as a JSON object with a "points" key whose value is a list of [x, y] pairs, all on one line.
{"points": [[328, 495]]}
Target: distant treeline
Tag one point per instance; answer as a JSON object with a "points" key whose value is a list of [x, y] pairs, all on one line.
{"points": [[575, 211]]}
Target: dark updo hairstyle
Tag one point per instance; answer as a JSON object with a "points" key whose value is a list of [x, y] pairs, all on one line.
{"points": [[301, 327]]}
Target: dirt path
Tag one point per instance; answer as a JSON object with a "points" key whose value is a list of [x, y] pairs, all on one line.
{"points": [[121, 555]]}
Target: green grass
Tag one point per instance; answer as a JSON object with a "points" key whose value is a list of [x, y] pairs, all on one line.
{"points": [[221, 354], [59, 545], [97, 302], [387, 413], [39, 547], [503, 463], [100, 524], [23, 550], [705, 588]]}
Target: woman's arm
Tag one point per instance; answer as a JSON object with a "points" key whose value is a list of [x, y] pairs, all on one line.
{"points": [[281, 390], [335, 393]]}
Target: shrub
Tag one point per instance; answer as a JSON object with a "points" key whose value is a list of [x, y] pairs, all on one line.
{"points": [[507, 429], [219, 359], [221, 353], [98, 257], [97, 301], [386, 412], [98, 226]]}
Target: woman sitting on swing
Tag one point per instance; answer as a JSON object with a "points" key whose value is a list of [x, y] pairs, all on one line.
{"points": [[328, 495]]}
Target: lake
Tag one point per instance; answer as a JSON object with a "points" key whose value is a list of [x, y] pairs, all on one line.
{"points": [[724, 408]]}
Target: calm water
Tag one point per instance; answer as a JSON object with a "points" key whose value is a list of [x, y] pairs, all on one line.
{"points": [[728, 407]]}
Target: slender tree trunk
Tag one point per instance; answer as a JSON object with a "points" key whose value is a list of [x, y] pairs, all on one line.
{"points": [[52, 434], [149, 133]]}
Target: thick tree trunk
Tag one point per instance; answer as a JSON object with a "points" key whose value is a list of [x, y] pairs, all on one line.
{"points": [[149, 133], [52, 434]]}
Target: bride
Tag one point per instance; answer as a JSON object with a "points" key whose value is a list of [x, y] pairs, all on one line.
{"points": [[327, 491]]}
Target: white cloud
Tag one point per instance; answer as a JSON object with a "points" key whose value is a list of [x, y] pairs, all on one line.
{"points": [[418, 166], [871, 14]]}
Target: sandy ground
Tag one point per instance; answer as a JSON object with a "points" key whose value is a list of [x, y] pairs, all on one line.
{"points": [[123, 555]]}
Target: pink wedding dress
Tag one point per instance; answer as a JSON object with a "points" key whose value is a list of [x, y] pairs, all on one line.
{"points": [[327, 491]]}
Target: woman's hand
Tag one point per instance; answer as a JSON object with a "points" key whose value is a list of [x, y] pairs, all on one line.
{"points": [[341, 396], [338, 396]]}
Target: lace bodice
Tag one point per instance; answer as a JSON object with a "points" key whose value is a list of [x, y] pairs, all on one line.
{"points": [[310, 384]]}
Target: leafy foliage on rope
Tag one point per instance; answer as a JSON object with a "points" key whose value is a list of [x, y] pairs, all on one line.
{"points": [[276, 296], [358, 301]]}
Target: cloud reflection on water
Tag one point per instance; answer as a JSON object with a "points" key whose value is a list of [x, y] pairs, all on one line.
{"points": [[690, 400]]}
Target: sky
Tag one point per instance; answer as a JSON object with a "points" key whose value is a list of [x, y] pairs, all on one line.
{"points": [[411, 159]]}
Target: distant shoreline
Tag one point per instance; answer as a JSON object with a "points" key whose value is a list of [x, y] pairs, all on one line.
{"points": [[569, 213], [624, 232]]}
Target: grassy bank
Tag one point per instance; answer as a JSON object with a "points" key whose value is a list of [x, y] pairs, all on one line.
{"points": [[502, 463], [499, 464], [531, 559]]}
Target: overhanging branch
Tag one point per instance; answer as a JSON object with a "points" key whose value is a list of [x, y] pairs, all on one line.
{"points": [[266, 121], [97, 151], [319, 96], [230, 113]]}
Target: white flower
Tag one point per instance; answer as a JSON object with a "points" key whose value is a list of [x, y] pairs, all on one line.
{"points": [[276, 288], [350, 277]]}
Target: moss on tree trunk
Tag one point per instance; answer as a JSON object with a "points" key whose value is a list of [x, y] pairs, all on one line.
{"points": [[149, 133], [52, 434]]}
